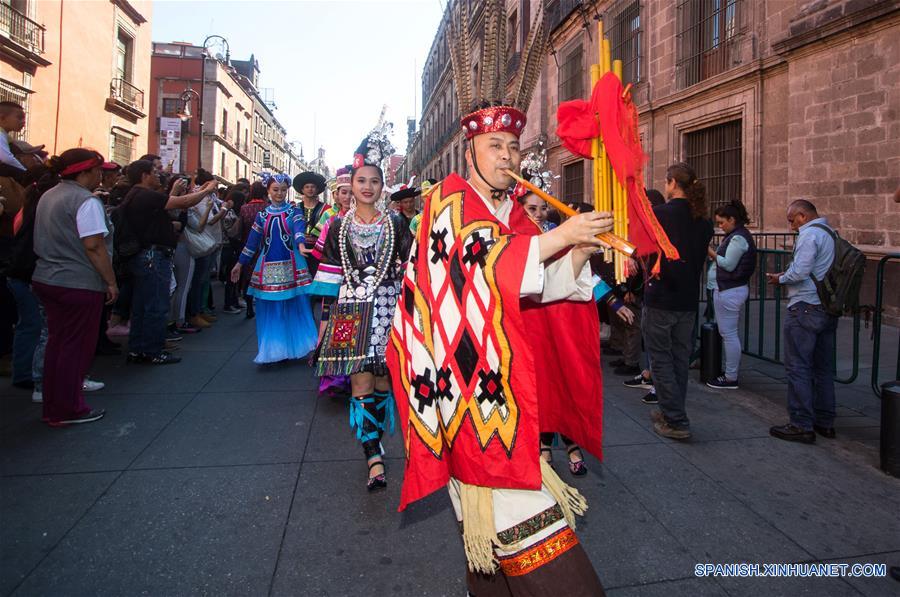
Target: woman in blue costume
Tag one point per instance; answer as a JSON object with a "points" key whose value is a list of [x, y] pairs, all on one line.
{"points": [[285, 327], [359, 276]]}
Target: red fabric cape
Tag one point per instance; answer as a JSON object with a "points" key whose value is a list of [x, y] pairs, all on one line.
{"points": [[615, 119], [477, 372]]}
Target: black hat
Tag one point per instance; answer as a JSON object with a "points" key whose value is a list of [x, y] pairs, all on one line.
{"points": [[308, 177], [406, 193]]}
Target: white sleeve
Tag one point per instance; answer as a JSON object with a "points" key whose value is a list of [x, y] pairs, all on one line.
{"points": [[560, 281], [533, 278], [91, 219]]}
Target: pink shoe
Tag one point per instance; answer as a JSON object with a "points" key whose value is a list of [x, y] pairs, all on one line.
{"points": [[119, 330]]}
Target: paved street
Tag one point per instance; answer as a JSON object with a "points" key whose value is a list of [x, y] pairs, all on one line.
{"points": [[215, 477]]}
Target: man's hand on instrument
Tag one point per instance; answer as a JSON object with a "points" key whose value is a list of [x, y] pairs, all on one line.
{"points": [[584, 228]]}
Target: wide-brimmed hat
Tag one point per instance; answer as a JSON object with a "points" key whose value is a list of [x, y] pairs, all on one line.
{"points": [[308, 177], [406, 193]]}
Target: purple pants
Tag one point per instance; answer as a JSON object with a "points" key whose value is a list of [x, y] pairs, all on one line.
{"points": [[73, 317]]}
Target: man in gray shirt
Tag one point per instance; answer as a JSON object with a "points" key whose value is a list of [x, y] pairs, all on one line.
{"points": [[809, 331]]}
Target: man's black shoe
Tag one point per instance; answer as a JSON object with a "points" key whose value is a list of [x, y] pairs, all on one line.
{"points": [[792, 433], [629, 370], [25, 385], [827, 432], [136, 357]]}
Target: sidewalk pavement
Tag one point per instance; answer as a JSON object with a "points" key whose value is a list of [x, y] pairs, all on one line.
{"points": [[217, 477]]}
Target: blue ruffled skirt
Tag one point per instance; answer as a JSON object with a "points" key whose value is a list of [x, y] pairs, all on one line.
{"points": [[284, 329]]}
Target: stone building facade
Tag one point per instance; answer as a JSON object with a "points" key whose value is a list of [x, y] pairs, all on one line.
{"points": [[769, 100]]}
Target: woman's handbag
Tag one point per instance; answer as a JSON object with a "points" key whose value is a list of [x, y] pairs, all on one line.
{"points": [[200, 244]]}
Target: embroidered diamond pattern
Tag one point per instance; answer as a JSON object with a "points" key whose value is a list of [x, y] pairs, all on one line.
{"points": [[423, 390], [466, 356], [439, 245], [457, 279]]}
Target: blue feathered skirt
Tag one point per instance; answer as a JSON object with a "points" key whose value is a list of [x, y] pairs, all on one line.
{"points": [[284, 329]]}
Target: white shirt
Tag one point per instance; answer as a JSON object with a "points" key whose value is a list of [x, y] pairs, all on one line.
{"points": [[91, 219], [554, 282]]}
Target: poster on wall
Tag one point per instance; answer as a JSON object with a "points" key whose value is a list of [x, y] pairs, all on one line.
{"points": [[170, 143]]}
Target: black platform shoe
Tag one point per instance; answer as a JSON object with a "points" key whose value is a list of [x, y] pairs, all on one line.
{"points": [[377, 482]]}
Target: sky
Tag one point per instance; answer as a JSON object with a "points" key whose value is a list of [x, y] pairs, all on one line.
{"points": [[331, 64]]}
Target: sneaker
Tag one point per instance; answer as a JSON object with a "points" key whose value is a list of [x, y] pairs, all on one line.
{"points": [[89, 417], [722, 383], [186, 328], [119, 330], [639, 381], [37, 396], [650, 398], [173, 336], [232, 310], [163, 358], [89, 385], [242, 303]]}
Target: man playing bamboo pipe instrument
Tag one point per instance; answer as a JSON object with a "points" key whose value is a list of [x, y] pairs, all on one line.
{"points": [[486, 299]]}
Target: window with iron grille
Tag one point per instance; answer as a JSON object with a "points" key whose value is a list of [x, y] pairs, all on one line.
{"points": [[716, 156], [573, 182], [625, 39], [13, 93], [121, 147], [571, 76], [171, 107], [708, 32]]}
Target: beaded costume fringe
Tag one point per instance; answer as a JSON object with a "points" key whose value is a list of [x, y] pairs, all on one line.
{"points": [[569, 499], [479, 529]]}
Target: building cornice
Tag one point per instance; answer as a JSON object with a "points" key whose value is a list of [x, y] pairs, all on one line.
{"points": [[133, 13], [816, 28]]}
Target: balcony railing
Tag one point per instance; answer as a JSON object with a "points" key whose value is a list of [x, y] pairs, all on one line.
{"points": [[124, 92], [21, 29], [559, 10]]}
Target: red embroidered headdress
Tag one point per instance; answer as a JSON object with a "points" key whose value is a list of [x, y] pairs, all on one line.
{"points": [[494, 110]]}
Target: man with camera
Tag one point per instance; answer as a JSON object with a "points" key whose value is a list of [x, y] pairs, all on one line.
{"points": [[151, 267]]}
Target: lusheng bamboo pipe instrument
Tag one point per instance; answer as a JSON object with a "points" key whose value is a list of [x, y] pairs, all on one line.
{"points": [[616, 242]]}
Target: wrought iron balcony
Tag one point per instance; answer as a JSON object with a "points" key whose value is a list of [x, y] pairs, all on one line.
{"points": [[559, 10], [125, 97], [20, 35]]}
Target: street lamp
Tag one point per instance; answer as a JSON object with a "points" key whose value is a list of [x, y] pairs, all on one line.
{"points": [[203, 88]]}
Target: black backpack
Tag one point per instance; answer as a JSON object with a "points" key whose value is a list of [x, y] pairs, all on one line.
{"points": [[125, 242], [839, 289]]}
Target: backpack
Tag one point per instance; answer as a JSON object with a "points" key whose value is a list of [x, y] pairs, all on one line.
{"points": [[839, 289], [125, 242]]}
